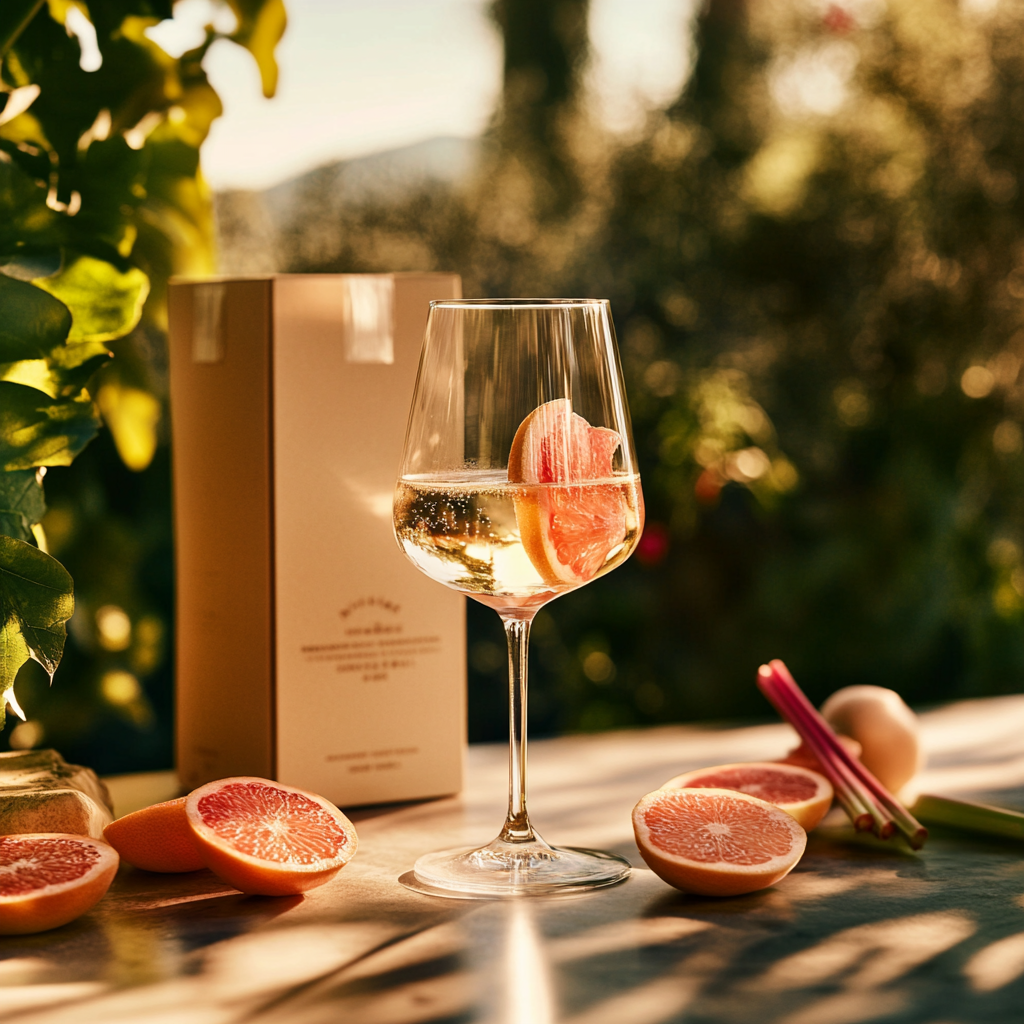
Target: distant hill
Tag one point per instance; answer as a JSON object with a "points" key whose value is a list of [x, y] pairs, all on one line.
{"points": [[249, 224], [446, 160]]}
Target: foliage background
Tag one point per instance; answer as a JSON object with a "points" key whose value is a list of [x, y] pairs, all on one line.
{"points": [[101, 201], [815, 257], [815, 261]]}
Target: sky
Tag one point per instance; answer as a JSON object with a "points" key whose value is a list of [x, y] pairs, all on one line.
{"points": [[363, 76]]}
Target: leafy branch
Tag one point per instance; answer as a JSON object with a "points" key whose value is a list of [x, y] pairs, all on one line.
{"points": [[101, 201]]}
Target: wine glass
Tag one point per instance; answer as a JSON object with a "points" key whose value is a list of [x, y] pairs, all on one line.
{"points": [[518, 484]]}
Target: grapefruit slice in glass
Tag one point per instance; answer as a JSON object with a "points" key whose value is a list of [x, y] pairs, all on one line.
{"points": [[716, 842], [805, 794], [157, 838], [269, 839], [568, 531], [49, 878]]}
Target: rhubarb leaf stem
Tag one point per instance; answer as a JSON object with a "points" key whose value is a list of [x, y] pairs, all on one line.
{"points": [[853, 798], [886, 811], [970, 816]]}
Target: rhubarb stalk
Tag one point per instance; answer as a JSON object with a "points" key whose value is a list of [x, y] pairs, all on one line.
{"points": [[851, 794], [970, 816], [858, 790]]}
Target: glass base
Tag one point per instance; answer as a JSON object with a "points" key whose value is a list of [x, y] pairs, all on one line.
{"points": [[503, 869]]}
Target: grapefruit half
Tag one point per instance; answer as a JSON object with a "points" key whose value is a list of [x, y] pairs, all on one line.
{"points": [[716, 842], [799, 791], [157, 838], [269, 839], [49, 878], [568, 531]]}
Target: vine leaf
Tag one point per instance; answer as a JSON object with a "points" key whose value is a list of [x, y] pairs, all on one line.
{"points": [[261, 23], [70, 368], [38, 431], [105, 304], [36, 601], [28, 264], [132, 414], [22, 504], [33, 322]]}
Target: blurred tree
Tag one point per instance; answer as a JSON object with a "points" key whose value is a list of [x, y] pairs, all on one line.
{"points": [[816, 258], [837, 239], [545, 52], [102, 201]]}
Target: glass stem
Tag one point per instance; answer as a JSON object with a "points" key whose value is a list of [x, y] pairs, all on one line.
{"points": [[517, 825]]}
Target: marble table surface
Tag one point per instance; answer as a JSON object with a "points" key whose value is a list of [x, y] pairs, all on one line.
{"points": [[860, 931]]}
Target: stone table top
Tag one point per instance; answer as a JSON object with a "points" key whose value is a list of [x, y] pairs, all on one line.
{"points": [[860, 931]]}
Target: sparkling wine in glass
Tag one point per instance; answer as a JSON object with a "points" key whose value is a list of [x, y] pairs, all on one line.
{"points": [[518, 484]]}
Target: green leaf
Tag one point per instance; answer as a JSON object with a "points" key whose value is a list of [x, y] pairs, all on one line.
{"points": [[32, 323], [105, 304], [36, 601], [111, 178], [30, 263], [38, 431], [133, 415], [67, 370], [261, 23], [24, 215], [22, 504], [72, 366]]}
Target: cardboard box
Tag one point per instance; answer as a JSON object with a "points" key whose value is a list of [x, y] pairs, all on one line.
{"points": [[309, 650]]}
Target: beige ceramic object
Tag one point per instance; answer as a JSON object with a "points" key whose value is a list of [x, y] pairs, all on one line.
{"points": [[41, 792]]}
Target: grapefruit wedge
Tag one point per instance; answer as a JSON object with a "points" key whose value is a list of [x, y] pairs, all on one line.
{"points": [[716, 842], [49, 878], [567, 531], [799, 791], [269, 839], [157, 838]]}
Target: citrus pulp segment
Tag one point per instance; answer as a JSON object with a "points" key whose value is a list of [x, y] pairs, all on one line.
{"points": [[49, 878], [805, 794], [570, 528], [716, 842], [555, 445], [269, 839], [157, 838]]}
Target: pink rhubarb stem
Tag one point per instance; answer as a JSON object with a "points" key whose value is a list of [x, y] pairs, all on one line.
{"points": [[870, 816], [855, 800], [915, 832]]}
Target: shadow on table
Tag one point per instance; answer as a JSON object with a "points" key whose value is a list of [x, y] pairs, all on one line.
{"points": [[861, 931]]}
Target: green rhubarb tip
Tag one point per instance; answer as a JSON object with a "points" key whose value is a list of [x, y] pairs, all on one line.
{"points": [[981, 819]]}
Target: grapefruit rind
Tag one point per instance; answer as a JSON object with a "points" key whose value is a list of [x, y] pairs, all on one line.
{"points": [[808, 812], [587, 463], [715, 878], [255, 875], [534, 513], [157, 838], [54, 905], [523, 456]]}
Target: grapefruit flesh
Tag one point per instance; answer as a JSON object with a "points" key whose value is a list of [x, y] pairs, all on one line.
{"points": [[567, 531], [157, 838], [716, 842], [805, 794], [49, 878], [269, 839]]}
